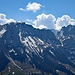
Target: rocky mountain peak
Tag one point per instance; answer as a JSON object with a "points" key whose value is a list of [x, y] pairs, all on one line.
{"points": [[22, 44]]}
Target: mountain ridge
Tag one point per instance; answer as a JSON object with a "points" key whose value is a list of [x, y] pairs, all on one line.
{"points": [[39, 48]]}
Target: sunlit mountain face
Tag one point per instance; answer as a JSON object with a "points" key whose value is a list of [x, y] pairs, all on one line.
{"points": [[25, 50]]}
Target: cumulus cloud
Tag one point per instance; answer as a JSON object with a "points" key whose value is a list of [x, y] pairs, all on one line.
{"points": [[50, 22], [64, 21], [40, 27], [45, 21], [4, 20], [33, 6]]}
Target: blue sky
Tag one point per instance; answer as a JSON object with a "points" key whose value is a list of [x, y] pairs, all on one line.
{"points": [[58, 8]]}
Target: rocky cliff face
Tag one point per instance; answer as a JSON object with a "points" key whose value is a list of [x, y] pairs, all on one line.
{"points": [[40, 49], [68, 40]]}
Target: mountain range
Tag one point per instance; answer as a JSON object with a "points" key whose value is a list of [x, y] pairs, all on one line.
{"points": [[25, 50]]}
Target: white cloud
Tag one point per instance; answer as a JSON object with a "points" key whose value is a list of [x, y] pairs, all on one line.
{"points": [[65, 20], [28, 21], [40, 27], [33, 7], [45, 21], [21, 9], [50, 22], [4, 20]]}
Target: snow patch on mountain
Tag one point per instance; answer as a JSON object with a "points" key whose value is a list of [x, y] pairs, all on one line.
{"points": [[2, 32], [12, 50], [51, 52]]}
